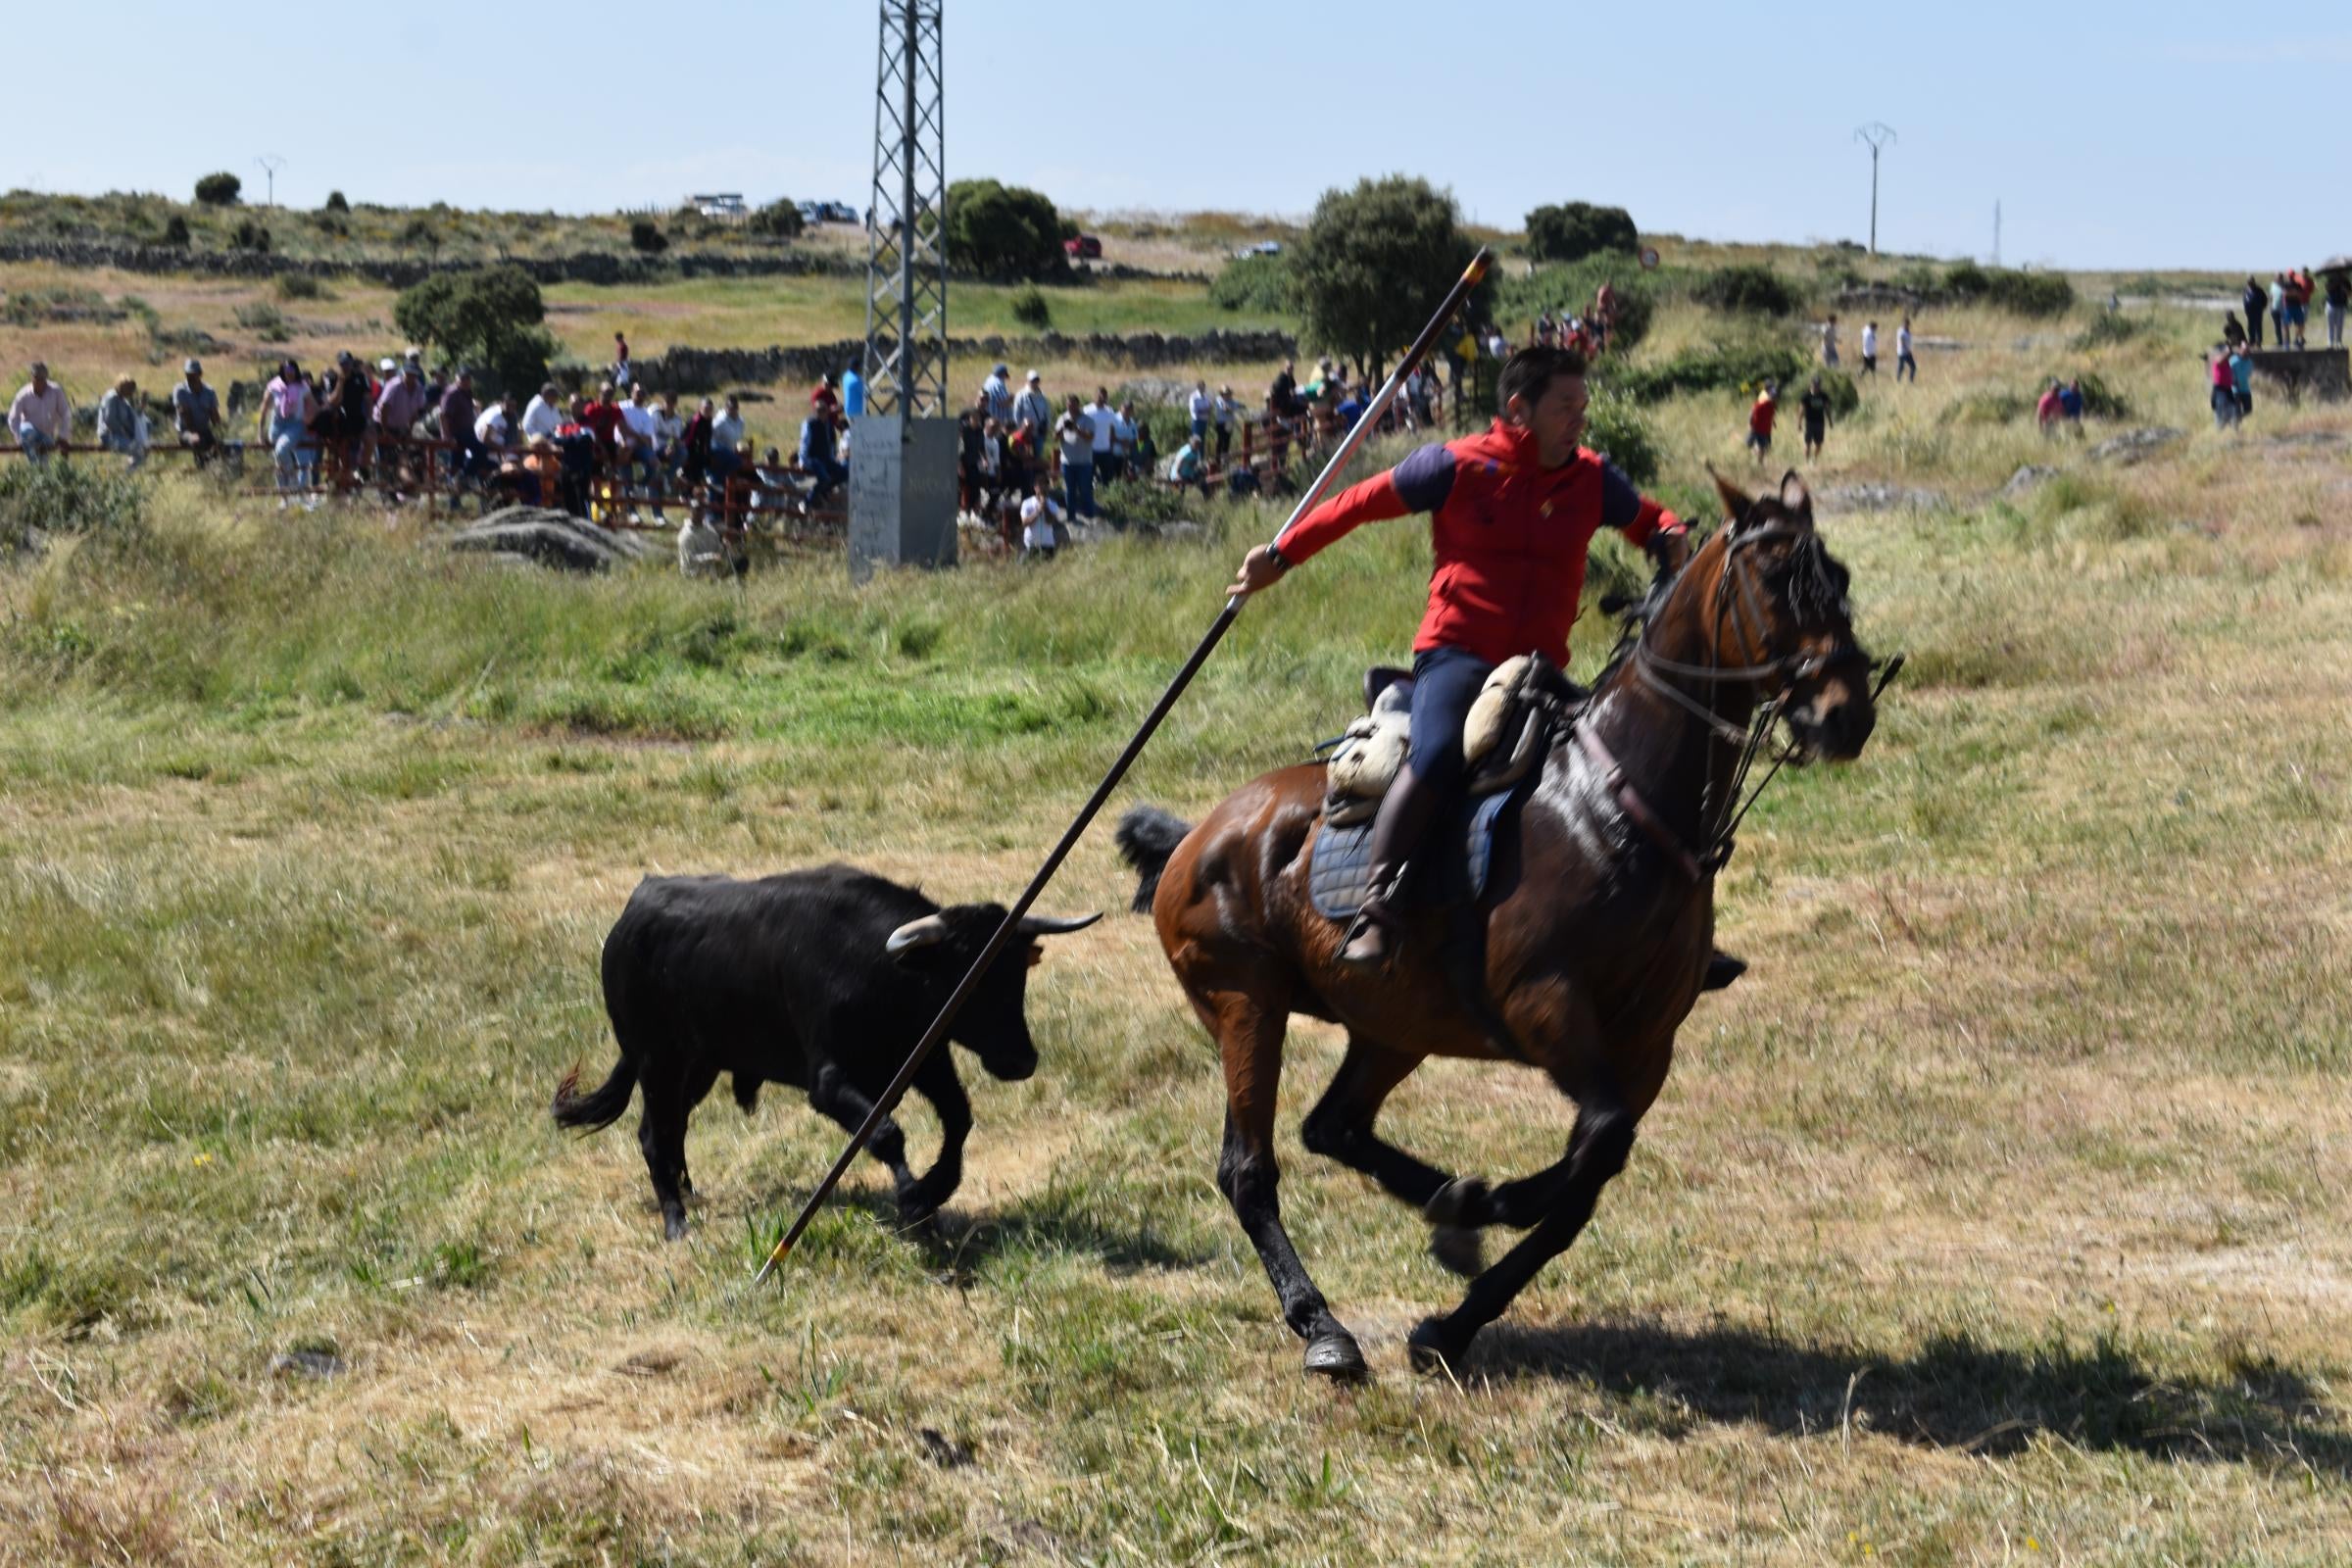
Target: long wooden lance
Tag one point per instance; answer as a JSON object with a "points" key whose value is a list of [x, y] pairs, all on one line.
{"points": [[888, 1100]]}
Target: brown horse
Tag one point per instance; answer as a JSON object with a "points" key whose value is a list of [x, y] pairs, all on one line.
{"points": [[1598, 929]]}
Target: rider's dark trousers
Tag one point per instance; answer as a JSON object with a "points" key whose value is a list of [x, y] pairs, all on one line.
{"points": [[1445, 682]]}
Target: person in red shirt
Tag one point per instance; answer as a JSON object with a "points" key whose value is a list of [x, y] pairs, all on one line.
{"points": [[603, 415], [1512, 515], [1759, 421], [823, 398]]}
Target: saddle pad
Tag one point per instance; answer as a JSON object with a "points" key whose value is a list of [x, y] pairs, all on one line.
{"points": [[1341, 875]]}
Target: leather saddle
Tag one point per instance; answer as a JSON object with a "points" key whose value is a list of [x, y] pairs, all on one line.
{"points": [[1503, 736]]}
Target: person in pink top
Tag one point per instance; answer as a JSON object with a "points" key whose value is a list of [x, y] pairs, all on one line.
{"points": [[2046, 411], [41, 418], [2225, 387]]}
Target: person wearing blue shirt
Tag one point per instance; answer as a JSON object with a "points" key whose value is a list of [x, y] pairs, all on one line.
{"points": [[853, 393], [816, 457], [2241, 380]]}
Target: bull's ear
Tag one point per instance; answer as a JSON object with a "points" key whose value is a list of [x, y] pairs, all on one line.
{"points": [[1795, 497], [1736, 502]]}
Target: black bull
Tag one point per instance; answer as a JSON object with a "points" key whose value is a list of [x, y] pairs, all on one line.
{"points": [[823, 980]]}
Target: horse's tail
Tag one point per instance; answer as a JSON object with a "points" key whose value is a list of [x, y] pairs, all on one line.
{"points": [[1146, 836], [600, 1109]]}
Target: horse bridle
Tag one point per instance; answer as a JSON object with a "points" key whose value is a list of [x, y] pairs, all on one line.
{"points": [[1794, 668]]}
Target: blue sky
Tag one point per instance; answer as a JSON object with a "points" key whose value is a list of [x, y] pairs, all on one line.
{"points": [[2113, 134]]}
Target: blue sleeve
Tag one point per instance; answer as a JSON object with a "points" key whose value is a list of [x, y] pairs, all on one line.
{"points": [[1620, 502], [1426, 479]]}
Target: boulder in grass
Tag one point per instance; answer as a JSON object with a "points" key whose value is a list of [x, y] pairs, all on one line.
{"points": [[551, 539], [2135, 445]]}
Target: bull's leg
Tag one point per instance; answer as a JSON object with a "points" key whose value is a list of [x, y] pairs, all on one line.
{"points": [[697, 1085], [938, 1083], [1250, 1039], [831, 1092], [1596, 1151], [662, 1135]]}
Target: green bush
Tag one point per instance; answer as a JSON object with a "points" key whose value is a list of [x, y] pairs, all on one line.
{"points": [[646, 237], [1375, 262], [81, 498], [300, 286], [1574, 230], [1734, 368], [778, 219], [336, 201], [2025, 293], [175, 232], [265, 321], [1003, 231], [1029, 308], [2111, 327], [2101, 401], [489, 318], [334, 223], [219, 190], [251, 234], [1571, 288], [1988, 407], [1616, 427], [1254, 283], [1756, 290]]}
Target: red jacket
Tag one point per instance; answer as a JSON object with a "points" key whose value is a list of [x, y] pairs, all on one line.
{"points": [[1509, 536]]}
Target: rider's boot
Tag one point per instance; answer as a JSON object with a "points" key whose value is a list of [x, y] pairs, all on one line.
{"points": [[1397, 834]]}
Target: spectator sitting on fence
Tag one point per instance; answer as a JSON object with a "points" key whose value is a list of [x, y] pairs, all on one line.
{"points": [[1241, 480], [494, 426], [694, 447], [816, 457], [535, 476], [603, 415], [575, 447], [196, 414], [669, 433], [41, 418], [1352, 408], [775, 491], [544, 413], [1190, 465], [726, 442], [286, 424], [457, 416], [1105, 418], [1032, 412], [1144, 455], [122, 428], [639, 436], [1041, 529]]}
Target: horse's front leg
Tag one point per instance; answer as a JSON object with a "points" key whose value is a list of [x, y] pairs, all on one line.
{"points": [[1596, 1151]]}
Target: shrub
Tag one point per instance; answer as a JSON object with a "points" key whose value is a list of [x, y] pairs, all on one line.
{"points": [[1988, 407], [1374, 263], [778, 219], [2025, 293], [219, 190], [336, 201], [1758, 290], [2111, 327], [1571, 288], [334, 223], [300, 286], [175, 232], [420, 234], [1733, 368], [265, 321], [1003, 230], [489, 317], [2100, 401], [646, 237], [1029, 308], [1616, 427], [83, 498], [251, 234], [1254, 283], [1574, 230]]}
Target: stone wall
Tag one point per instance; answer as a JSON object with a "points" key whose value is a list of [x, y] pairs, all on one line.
{"points": [[691, 371]]}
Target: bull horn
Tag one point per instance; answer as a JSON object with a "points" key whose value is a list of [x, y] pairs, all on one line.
{"points": [[1048, 925], [928, 932]]}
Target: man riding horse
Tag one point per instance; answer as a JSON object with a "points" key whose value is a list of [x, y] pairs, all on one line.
{"points": [[1513, 514]]}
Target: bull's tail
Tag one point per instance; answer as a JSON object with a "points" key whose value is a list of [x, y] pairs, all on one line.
{"points": [[600, 1109], [1146, 836]]}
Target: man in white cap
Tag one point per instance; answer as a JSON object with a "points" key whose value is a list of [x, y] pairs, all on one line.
{"points": [[1034, 410], [196, 414], [40, 419]]}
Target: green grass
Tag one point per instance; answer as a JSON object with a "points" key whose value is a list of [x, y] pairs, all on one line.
{"points": [[1994, 1218]]}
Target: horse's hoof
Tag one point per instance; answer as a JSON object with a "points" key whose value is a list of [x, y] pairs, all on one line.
{"points": [[1463, 1201], [1431, 1347], [1333, 1354], [673, 1227], [1458, 1251]]}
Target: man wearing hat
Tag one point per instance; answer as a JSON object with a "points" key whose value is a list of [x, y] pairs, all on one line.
{"points": [[996, 394], [1035, 410], [40, 419], [196, 414], [398, 407], [1227, 407]]}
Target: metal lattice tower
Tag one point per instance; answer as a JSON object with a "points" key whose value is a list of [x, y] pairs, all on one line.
{"points": [[906, 248]]}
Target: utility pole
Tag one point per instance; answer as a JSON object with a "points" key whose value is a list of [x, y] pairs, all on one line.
{"points": [[1875, 137], [271, 164]]}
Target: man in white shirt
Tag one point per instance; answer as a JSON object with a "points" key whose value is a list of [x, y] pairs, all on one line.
{"points": [[1904, 364], [1040, 523], [544, 413], [1228, 406], [1036, 410], [641, 436], [1076, 432], [1870, 348], [726, 442], [1201, 407], [1107, 458], [41, 418], [494, 426]]}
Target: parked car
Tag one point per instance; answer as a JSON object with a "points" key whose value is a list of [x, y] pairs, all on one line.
{"points": [[1083, 248], [813, 212], [1264, 247], [841, 213]]}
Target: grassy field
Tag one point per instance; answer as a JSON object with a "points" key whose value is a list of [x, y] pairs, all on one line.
{"points": [[1997, 1216]]}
